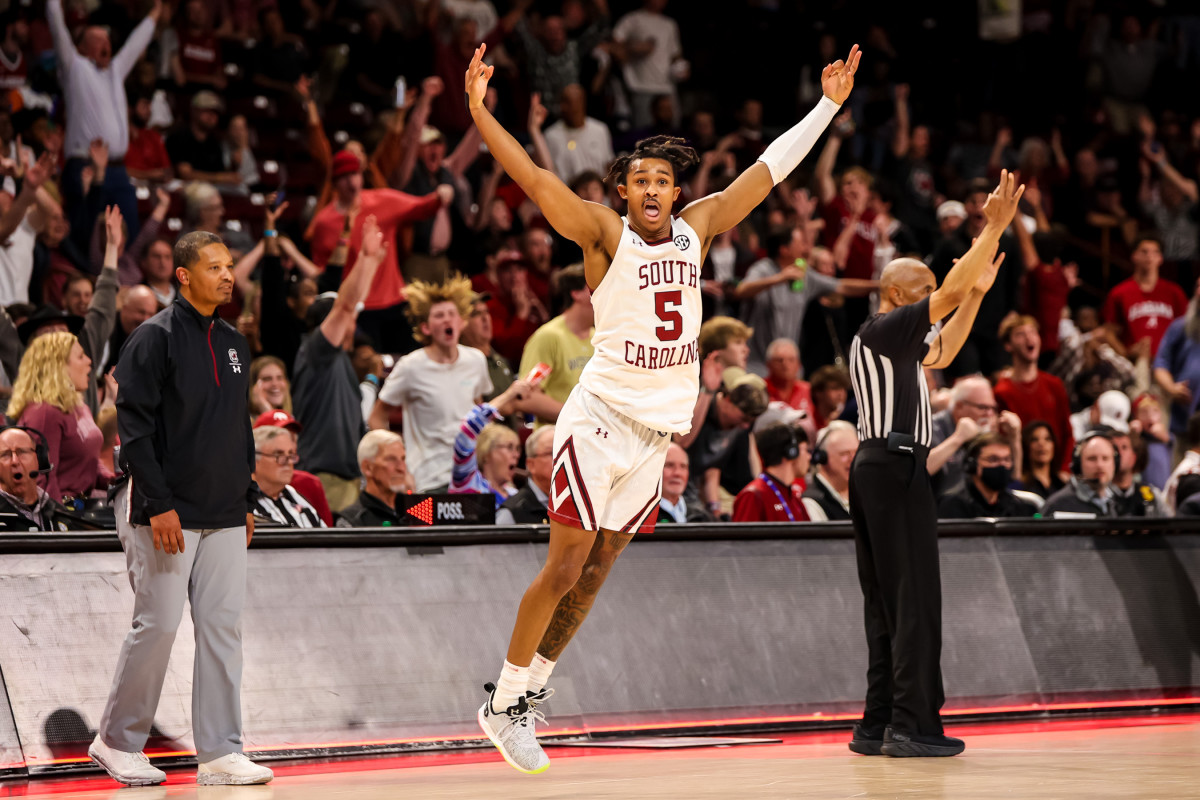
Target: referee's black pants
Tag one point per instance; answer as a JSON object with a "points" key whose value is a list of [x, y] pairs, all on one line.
{"points": [[895, 536]]}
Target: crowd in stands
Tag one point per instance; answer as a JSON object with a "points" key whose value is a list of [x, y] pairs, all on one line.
{"points": [[298, 131]]}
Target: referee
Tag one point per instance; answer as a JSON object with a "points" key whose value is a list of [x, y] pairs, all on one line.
{"points": [[891, 498]]}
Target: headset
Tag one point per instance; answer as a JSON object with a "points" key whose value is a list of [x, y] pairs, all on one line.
{"points": [[792, 444], [1077, 454], [40, 446]]}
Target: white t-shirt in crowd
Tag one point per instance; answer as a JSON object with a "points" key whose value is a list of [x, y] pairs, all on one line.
{"points": [[16, 264], [435, 397], [577, 150], [652, 74], [482, 11]]}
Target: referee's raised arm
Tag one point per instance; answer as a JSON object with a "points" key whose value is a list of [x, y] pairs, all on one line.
{"points": [[965, 276]]}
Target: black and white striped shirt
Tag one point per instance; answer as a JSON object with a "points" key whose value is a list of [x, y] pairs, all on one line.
{"points": [[885, 369], [290, 509]]}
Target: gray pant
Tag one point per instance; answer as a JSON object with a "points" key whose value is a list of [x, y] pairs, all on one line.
{"points": [[211, 573]]}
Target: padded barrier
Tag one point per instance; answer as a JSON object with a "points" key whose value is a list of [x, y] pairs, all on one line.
{"points": [[383, 639]]}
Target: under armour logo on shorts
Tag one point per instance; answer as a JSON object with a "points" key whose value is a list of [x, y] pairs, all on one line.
{"points": [[602, 433]]}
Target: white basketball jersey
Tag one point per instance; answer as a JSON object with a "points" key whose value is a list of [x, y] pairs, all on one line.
{"points": [[647, 362]]}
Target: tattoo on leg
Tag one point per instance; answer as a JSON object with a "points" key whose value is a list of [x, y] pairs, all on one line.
{"points": [[573, 609]]}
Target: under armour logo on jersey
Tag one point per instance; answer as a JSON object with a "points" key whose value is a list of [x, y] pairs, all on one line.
{"points": [[237, 368], [682, 242], [603, 433]]}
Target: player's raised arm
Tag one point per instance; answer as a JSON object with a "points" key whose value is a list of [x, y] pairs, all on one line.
{"points": [[570, 215], [717, 213]]}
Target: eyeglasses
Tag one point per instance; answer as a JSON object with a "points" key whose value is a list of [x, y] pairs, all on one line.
{"points": [[280, 458], [19, 453]]}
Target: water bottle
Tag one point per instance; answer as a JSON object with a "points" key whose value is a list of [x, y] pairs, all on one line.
{"points": [[798, 284]]}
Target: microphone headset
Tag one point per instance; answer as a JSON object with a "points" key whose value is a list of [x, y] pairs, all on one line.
{"points": [[40, 446]]}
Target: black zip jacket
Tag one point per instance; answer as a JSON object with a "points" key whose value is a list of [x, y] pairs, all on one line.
{"points": [[182, 416]]}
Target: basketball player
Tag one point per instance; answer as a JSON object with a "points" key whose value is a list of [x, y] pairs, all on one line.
{"points": [[640, 386]]}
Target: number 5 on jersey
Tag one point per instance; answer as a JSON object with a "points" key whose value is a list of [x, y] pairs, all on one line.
{"points": [[666, 306]]}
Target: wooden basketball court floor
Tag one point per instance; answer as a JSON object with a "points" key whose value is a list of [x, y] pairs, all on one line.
{"points": [[1134, 757]]}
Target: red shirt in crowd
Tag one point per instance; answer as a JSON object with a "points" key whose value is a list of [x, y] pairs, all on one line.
{"points": [[146, 150], [1043, 398], [74, 442], [200, 54], [1046, 291], [1144, 314], [13, 72], [765, 499], [860, 263], [392, 210], [310, 488], [799, 398]]}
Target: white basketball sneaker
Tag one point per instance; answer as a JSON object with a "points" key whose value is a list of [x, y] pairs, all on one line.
{"points": [[131, 769], [234, 768], [512, 732]]}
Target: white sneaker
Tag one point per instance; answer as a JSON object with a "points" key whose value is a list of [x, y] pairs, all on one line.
{"points": [[512, 733], [234, 768], [131, 769]]}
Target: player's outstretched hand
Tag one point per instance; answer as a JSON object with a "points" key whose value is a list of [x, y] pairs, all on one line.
{"points": [[1001, 204], [837, 79], [478, 75]]}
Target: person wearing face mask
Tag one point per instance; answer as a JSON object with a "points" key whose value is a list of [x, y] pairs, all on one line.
{"points": [[984, 492], [1090, 490]]}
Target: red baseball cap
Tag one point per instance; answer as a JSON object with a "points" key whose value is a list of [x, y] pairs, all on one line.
{"points": [[345, 163], [280, 419]]}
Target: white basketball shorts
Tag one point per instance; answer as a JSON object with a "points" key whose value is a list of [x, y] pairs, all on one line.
{"points": [[607, 468]]}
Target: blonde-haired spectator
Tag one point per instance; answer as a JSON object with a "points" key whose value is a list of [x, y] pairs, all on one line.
{"points": [[54, 370]]}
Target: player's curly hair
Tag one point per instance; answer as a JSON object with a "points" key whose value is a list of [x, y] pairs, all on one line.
{"points": [[422, 296], [672, 149]]}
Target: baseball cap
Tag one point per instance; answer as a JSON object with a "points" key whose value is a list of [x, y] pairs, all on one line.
{"points": [[280, 419], [745, 390], [1114, 410], [206, 101], [779, 411], [951, 208], [345, 163], [430, 134]]}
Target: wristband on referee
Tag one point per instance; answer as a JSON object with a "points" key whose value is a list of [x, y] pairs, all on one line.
{"points": [[270, 233]]}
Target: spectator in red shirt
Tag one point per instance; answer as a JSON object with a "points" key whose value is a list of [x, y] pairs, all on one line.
{"points": [[14, 67], [1143, 306], [516, 310], [769, 497], [783, 381], [849, 219], [146, 159], [1028, 392], [197, 63], [383, 320]]}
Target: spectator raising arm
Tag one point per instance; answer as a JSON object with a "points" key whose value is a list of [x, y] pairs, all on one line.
{"points": [[339, 325], [35, 176]]}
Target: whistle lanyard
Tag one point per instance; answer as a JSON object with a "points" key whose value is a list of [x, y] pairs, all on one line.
{"points": [[770, 482]]}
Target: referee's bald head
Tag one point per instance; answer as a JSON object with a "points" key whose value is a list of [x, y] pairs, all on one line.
{"points": [[905, 281]]}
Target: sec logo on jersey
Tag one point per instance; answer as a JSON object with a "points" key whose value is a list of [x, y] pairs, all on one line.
{"points": [[682, 242]]}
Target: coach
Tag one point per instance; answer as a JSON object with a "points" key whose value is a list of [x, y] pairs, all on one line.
{"points": [[184, 521], [891, 497]]}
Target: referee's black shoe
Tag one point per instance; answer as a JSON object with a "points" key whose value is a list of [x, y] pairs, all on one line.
{"points": [[868, 741], [899, 744]]}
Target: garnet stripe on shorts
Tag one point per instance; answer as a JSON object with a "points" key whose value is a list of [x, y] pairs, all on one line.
{"points": [[569, 449], [640, 517]]}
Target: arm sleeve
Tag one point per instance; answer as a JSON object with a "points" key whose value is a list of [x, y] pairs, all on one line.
{"points": [[132, 50], [140, 374], [101, 315], [466, 467], [48, 421]]}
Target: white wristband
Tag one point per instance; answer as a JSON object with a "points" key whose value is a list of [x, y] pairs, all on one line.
{"points": [[785, 153]]}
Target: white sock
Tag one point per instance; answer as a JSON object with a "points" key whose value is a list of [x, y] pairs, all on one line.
{"points": [[510, 686], [539, 672]]}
